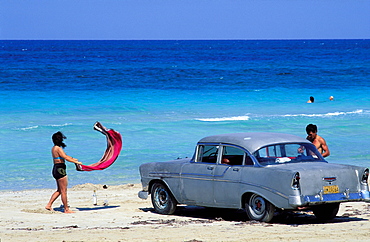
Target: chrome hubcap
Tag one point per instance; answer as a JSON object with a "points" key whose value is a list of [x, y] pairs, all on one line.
{"points": [[161, 197]]}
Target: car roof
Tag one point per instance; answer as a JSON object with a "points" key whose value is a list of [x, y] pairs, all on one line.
{"points": [[252, 141]]}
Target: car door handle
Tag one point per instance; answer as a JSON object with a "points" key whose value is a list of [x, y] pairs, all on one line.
{"points": [[210, 168], [236, 169]]}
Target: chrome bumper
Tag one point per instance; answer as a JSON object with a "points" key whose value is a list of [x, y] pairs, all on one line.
{"points": [[143, 195], [346, 196]]}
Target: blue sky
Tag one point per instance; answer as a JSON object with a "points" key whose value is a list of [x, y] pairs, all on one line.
{"points": [[184, 19]]}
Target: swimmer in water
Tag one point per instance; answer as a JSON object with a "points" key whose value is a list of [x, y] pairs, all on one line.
{"points": [[312, 100]]}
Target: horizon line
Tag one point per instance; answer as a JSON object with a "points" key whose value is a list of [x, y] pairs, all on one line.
{"points": [[183, 39]]}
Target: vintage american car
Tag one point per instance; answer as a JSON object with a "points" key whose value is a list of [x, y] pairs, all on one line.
{"points": [[262, 173]]}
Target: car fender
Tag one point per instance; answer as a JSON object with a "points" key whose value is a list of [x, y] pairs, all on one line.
{"points": [[276, 199], [264, 182], [164, 182]]}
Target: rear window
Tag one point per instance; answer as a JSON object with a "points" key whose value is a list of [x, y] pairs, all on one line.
{"points": [[287, 153]]}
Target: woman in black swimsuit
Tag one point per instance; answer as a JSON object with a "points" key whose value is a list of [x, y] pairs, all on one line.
{"points": [[59, 171]]}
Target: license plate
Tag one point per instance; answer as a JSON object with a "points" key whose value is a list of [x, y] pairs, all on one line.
{"points": [[330, 189]]}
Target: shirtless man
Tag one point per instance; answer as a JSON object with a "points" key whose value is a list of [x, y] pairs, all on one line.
{"points": [[317, 140]]}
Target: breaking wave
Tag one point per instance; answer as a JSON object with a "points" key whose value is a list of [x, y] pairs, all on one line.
{"points": [[237, 118], [40, 126], [28, 128], [245, 117], [325, 114]]}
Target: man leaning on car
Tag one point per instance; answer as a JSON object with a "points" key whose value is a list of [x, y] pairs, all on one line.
{"points": [[317, 140]]}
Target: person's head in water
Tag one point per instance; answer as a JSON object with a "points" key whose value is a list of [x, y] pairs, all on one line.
{"points": [[312, 99], [58, 139]]}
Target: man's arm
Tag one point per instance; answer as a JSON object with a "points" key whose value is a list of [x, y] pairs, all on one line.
{"points": [[324, 147]]}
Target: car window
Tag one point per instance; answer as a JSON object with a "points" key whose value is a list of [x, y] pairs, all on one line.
{"points": [[207, 153], [283, 153], [235, 156]]}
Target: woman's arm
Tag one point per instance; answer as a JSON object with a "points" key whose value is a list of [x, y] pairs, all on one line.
{"points": [[68, 158]]}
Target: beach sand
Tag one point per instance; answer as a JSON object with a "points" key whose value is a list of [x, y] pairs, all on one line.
{"points": [[125, 217]]}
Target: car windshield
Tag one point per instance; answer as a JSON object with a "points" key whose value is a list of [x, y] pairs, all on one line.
{"points": [[287, 153]]}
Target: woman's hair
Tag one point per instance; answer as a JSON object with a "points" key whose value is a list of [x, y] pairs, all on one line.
{"points": [[58, 139]]}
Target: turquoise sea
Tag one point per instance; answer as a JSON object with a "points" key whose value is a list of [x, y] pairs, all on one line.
{"points": [[163, 96]]}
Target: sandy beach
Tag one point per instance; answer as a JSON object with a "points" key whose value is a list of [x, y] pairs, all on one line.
{"points": [[121, 216]]}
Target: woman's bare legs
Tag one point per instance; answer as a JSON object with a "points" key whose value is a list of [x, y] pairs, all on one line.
{"points": [[62, 184], [55, 195]]}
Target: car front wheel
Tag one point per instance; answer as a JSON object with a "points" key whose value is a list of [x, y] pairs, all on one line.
{"points": [[162, 199], [259, 209]]}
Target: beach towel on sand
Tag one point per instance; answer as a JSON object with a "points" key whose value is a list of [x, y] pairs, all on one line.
{"points": [[114, 146]]}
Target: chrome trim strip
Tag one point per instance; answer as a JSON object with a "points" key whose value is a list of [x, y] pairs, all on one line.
{"points": [[329, 179]]}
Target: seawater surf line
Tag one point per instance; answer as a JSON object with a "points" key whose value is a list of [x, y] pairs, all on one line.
{"points": [[325, 114], [236, 118], [248, 117]]}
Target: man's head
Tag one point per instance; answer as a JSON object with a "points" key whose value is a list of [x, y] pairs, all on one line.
{"points": [[311, 131], [225, 161]]}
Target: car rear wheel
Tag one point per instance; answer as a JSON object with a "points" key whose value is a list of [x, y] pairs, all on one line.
{"points": [[326, 211], [259, 209], [162, 199]]}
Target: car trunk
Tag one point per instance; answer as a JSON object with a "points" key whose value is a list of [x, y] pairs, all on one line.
{"points": [[331, 178]]}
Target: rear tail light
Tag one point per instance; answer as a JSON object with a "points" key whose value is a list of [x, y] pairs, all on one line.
{"points": [[365, 176], [295, 181]]}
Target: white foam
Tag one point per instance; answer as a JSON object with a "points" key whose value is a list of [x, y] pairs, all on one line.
{"points": [[29, 128], [237, 118], [245, 117], [325, 114], [59, 125], [38, 126]]}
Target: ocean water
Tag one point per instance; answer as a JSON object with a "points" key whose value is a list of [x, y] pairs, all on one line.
{"points": [[163, 96]]}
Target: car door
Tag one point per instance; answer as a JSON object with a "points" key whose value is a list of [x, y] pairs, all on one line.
{"points": [[227, 176], [197, 176]]}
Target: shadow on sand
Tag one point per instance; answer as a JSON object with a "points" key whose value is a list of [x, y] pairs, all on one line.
{"points": [[231, 215], [96, 208]]}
